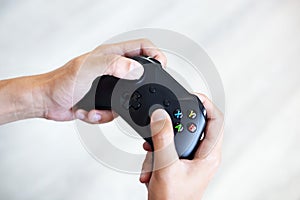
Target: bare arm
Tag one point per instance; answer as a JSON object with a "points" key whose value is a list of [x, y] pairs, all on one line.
{"points": [[20, 98], [52, 95]]}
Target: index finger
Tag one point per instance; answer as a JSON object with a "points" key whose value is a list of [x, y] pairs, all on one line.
{"points": [[213, 131], [212, 111]]}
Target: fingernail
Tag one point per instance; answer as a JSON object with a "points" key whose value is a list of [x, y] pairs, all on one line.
{"points": [[80, 115], [158, 115], [97, 117], [143, 173]]}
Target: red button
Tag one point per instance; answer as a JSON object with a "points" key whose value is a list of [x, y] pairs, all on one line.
{"points": [[192, 127]]}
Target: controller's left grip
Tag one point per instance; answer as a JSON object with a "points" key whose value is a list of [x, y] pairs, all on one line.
{"points": [[99, 95]]}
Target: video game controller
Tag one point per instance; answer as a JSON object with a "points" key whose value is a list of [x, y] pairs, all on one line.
{"points": [[135, 101]]}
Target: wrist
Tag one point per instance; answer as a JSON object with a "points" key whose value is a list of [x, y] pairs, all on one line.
{"points": [[29, 97], [37, 94], [21, 98]]}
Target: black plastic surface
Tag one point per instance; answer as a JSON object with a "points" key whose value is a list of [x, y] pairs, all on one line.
{"points": [[135, 100]]}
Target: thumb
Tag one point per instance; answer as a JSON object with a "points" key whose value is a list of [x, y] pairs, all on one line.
{"points": [[115, 65], [122, 67], [90, 66], [163, 140]]}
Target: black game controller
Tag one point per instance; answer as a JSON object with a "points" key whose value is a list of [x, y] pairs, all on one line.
{"points": [[135, 101]]}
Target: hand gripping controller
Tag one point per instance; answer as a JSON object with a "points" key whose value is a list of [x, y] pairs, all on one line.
{"points": [[135, 100]]}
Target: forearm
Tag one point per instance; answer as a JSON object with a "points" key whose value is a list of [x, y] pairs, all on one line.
{"points": [[20, 98]]}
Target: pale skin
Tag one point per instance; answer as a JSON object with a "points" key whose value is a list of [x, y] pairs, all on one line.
{"points": [[180, 178], [53, 95]]}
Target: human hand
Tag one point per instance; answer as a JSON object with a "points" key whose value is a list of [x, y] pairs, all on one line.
{"points": [[168, 177], [64, 87]]}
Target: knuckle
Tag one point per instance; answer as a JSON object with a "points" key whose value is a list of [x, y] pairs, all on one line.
{"points": [[100, 48], [77, 61], [114, 62], [119, 61], [204, 97], [111, 60], [145, 40], [162, 131], [161, 137]]}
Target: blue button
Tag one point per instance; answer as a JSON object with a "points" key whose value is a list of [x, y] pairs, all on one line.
{"points": [[178, 114]]}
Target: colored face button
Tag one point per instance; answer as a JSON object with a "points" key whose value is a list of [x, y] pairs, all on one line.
{"points": [[178, 127], [192, 114], [178, 114], [192, 127]]}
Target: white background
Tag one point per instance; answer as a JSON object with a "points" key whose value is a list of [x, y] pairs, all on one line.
{"points": [[255, 45]]}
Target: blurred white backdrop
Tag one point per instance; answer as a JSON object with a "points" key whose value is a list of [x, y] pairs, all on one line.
{"points": [[255, 46]]}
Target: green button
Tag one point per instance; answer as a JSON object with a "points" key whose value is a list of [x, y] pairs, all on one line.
{"points": [[179, 128]]}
